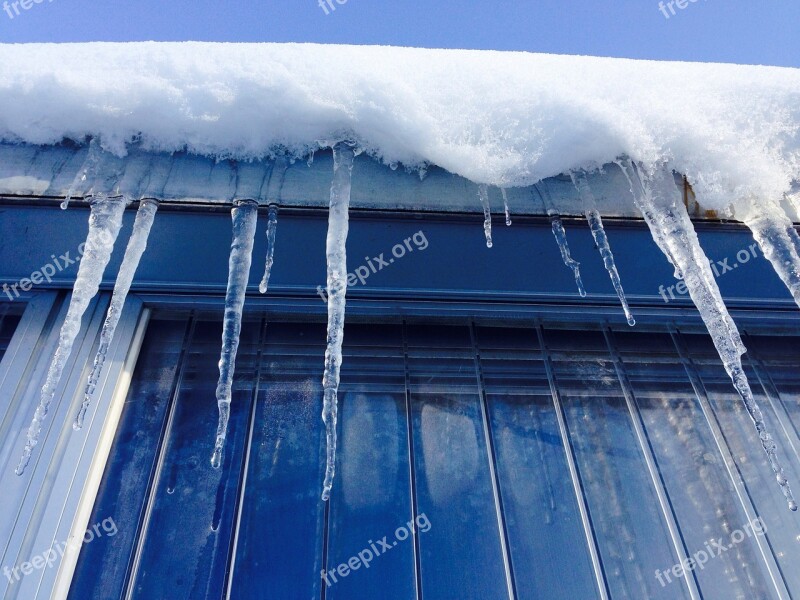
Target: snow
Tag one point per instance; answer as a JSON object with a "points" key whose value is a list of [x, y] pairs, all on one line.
{"points": [[499, 118], [137, 244], [336, 254], [105, 221]]}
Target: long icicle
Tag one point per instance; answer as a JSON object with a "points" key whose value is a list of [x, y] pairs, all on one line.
{"points": [[244, 216], [272, 229], [105, 222], [130, 263], [600, 238], [658, 199], [560, 234], [336, 253], [778, 240], [483, 194]]}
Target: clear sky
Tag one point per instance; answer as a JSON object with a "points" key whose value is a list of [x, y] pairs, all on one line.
{"points": [[741, 31]]}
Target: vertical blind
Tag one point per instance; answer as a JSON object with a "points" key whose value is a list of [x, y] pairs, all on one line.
{"points": [[474, 461]]}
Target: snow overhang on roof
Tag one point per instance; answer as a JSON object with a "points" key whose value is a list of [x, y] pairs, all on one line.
{"points": [[502, 119]]}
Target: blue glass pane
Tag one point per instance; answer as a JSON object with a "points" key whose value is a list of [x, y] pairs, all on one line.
{"points": [[281, 530], [548, 545], [188, 535], [631, 532], [103, 565]]}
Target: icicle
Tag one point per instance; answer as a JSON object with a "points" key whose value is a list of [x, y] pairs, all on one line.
{"points": [[272, 228], [778, 239], [89, 168], [133, 254], [600, 238], [336, 253], [560, 234], [244, 216], [483, 194], [659, 201], [505, 206], [105, 221]]}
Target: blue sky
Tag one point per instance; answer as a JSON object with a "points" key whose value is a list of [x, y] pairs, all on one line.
{"points": [[741, 31]]}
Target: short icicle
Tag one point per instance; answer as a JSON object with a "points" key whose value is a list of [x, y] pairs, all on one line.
{"points": [[560, 234], [656, 195], [272, 229], [483, 194], [89, 168], [244, 216], [133, 254], [336, 253], [600, 238], [505, 206], [105, 222]]}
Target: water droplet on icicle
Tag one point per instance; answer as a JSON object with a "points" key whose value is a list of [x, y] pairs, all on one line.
{"points": [[336, 255], [600, 238], [130, 263], [244, 216], [272, 228], [105, 221]]}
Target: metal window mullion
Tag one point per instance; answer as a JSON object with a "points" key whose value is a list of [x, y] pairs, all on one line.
{"points": [[411, 464], [773, 396], [734, 474], [490, 451], [246, 462], [652, 466], [586, 520]]}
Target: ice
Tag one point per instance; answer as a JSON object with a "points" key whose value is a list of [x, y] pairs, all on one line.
{"points": [[560, 234], [89, 169], [505, 206], [336, 253], [272, 228], [133, 254], [661, 204], [244, 216], [105, 221], [599, 233], [778, 239], [483, 194]]}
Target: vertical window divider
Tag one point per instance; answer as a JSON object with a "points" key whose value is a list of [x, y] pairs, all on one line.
{"points": [[646, 448], [246, 460], [731, 466], [586, 519], [411, 465], [490, 450], [774, 398], [144, 520]]}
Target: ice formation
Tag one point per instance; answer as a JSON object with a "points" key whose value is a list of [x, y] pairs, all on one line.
{"points": [[89, 168], [505, 206], [336, 253], [272, 228], [483, 194], [599, 233], [658, 198], [244, 216], [133, 254], [540, 189], [105, 221]]}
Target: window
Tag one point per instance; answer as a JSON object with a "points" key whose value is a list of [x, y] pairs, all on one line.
{"points": [[536, 461], [9, 319]]}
